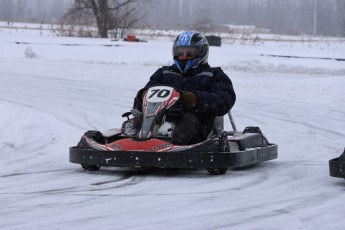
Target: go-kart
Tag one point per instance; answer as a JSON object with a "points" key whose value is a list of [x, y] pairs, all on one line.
{"points": [[337, 166], [145, 141]]}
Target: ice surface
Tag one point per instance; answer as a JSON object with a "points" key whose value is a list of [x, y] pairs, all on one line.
{"points": [[76, 84]]}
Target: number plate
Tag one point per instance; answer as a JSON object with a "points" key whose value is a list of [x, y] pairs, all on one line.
{"points": [[159, 93]]}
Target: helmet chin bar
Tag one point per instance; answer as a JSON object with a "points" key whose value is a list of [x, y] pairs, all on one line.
{"points": [[185, 65]]}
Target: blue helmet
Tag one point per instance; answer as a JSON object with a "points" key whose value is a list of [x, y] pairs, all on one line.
{"points": [[193, 40]]}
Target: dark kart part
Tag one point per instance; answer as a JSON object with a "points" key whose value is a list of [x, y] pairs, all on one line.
{"points": [[96, 136], [337, 166], [128, 128], [127, 114], [215, 155], [223, 146], [91, 167], [217, 171], [186, 160]]}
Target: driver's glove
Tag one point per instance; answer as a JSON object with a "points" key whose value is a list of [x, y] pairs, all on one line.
{"points": [[189, 99]]}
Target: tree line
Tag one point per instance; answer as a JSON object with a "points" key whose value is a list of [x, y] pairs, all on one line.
{"points": [[322, 17], [319, 17]]}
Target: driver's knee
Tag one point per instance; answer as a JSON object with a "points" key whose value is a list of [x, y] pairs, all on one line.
{"points": [[188, 131]]}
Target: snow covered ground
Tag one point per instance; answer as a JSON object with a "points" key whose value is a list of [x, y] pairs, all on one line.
{"points": [[70, 85]]}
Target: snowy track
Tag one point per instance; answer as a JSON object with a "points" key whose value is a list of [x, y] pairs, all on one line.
{"points": [[46, 104]]}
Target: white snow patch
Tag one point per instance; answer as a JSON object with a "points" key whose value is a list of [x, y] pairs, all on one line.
{"points": [[47, 103]]}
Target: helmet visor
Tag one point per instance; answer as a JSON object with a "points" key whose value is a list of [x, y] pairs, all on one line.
{"points": [[185, 52]]}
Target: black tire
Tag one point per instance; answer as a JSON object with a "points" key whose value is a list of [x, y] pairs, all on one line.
{"points": [[217, 171], [243, 167], [172, 171], [96, 136], [91, 167], [223, 147]]}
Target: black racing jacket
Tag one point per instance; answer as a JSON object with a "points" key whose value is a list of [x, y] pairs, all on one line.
{"points": [[214, 90]]}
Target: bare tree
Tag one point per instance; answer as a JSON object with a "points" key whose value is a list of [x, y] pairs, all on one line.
{"points": [[6, 10], [107, 14], [341, 7], [126, 18], [20, 9]]}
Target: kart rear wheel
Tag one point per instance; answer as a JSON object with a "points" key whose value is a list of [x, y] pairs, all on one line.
{"points": [[217, 171], [91, 167]]}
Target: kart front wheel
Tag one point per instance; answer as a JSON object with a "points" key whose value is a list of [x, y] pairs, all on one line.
{"points": [[91, 167]]}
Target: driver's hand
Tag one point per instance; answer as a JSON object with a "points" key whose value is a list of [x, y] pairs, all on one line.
{"points": [[189, 99]]}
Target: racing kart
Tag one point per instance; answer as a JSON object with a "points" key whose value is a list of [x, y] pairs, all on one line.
{"points": [[337, 166], [145, 141]]}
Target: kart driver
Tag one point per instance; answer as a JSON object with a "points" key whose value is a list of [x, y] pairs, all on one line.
{"points": [[206, 92]]}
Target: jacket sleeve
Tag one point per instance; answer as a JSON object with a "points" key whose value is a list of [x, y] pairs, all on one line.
{"points": [[220, 98], [155, 79]]}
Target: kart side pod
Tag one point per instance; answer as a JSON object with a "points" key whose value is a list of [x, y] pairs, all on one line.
{"points": [[337, 166]]}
